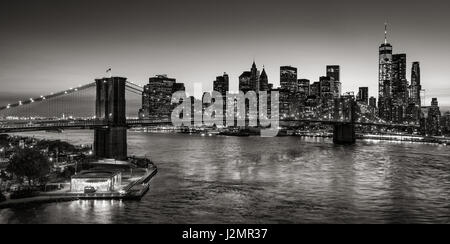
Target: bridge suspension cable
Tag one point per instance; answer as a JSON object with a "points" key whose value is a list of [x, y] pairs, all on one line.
{"points": [[53, 105]]}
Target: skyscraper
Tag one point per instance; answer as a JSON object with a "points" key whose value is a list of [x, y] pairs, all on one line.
{"points": [[363, 95], [326, 88], [399, 82], [288, 79], [314, 89], [399, 88], [254, 78], [385, 78], [222, 84], [415, 84], [333, 71], [373, 102], [263, 81], [157, 95], [434, 118], [249, 80], [244, 81], [445, 123], [303, 87], [289, 88]]}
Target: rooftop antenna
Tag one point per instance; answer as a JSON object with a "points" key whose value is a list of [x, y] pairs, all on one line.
{"points": [[109, 71], [385, 32]]}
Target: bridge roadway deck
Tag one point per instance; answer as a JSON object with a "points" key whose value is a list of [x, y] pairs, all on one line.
{"points": [[42, 125]]}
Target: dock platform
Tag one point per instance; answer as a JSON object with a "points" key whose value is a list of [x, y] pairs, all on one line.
{"points": [[133, 191]]}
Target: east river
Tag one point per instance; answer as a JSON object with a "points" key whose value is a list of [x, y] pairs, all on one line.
{"points": [[267, 180]]}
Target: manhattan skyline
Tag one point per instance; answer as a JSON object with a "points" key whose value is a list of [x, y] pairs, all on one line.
{"points": [[60, 45]]}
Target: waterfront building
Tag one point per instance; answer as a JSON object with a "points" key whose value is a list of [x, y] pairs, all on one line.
{"points": [[222, 85], [445, 123], [434, 118], [412, 113], [288, 90], [157, 95], [102, 180], [284, 102]]}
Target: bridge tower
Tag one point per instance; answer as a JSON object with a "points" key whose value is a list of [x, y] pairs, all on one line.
{"points": [[344, 133], [110, 141]]}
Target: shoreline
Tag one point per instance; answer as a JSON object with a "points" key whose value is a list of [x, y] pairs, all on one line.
{"points": [[363, 137], [131, 194]]}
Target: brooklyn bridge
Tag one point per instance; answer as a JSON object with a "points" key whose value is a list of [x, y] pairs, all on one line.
{"points": [[108, 118]]}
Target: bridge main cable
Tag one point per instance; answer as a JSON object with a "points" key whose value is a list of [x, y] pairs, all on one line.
{"points": [[51, 95]]}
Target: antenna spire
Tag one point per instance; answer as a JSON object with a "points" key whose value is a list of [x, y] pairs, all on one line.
{"points": [[385, 32]]}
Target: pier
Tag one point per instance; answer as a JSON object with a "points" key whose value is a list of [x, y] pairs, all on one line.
{"points": [[134, 190]]}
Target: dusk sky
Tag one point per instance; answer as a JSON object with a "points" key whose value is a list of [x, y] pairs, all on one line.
{"points": [[51, 45]]}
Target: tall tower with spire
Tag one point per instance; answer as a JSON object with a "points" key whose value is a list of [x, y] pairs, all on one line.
{"points": [[263, 81], [249, 80], [254, 77], [385, 33], [385, 77]]}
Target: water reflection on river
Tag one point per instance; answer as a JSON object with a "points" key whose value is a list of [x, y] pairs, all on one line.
{"points": [[268, 180]]}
